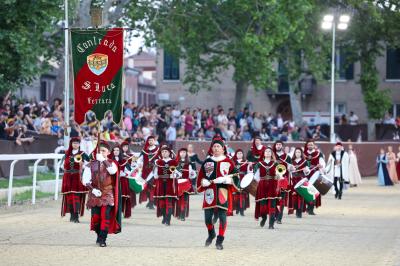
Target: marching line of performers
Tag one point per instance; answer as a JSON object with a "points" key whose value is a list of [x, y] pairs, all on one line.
{"points": [[112, 177]]}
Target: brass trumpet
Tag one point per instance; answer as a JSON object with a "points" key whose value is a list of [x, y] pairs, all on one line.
{"points": [[78, 158], [172, 168], [281, 169]]}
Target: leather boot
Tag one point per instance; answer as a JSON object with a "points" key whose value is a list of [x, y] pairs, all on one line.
{"points": [[271, 222], [76, 216], [218, 243], [263, 220], [210, 238], [310, 210], [103, 237]]}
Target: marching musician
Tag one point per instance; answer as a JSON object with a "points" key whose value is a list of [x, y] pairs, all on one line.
{"points": [[268, 190], [284, 159], [194, 158], [166, 186], [241, 198], [338, 169], [188, 174], [217, 177], [316, 162], [73, 191], [146, 160], [127, 169], [301, 170], [101, 176], [256, 151]]}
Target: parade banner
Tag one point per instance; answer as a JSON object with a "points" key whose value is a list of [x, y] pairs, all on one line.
{"points": [[97, 60]]}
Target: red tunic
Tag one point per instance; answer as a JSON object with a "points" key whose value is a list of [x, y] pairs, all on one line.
{"points": [[241, 197], [268, 184], [313, 160], [166, 187], [296, 200], [149, 156], [72, 179]]}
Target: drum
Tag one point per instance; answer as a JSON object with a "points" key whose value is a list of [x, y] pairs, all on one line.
{"points": [[321, 183], [136, 185], [184, 185], [249, 184], [305, 189]]}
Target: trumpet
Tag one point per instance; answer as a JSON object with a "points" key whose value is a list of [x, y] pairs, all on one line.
{"points": [[78, 158], [281, 169], [172, 168]]}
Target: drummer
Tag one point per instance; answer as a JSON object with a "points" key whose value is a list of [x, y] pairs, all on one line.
{"points": [[300, 171], [241, 198], [268, 191], [316, 163], [187, 174], [282, 158], [166, 185]]}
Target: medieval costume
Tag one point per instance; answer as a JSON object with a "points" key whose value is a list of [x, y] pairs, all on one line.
{"points": [[102, 178], [166, 185], [185, 188], [301, 169], [268, 191], [73, 191], [338, 169], [354, 172], [284, 159], [130, 160], [241, 198], [391, 165], [383, 175], [217, 178], [316, 162], [147, 158], [193, 158], [256, 151]]}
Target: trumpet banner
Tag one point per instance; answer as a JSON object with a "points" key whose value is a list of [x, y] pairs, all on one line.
{"points": [[97, 60]]}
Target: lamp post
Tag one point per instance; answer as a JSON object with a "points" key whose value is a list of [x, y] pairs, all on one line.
{"points": [[330, 23], [66, 78]]}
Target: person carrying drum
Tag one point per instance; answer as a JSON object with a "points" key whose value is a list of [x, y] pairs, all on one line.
{"points": [[166, 190], [284, 159], [74, 193], [300, 171], [338, 169], [217, 178], [146, 160], [184, 183], [316, 163], [101, 176], [268, 190], [241, 198]]}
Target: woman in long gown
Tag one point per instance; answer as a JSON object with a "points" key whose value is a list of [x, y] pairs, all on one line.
{"points": [[383, 175], [398, 164], [391, 157], [354, 172]]}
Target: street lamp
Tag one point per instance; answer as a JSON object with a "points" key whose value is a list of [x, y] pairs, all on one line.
{"points": [[330, 22]]}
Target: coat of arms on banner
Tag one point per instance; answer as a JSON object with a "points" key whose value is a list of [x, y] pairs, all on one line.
{"points": [[97, 63], [224, 168], [209, 196], [209, 168]]}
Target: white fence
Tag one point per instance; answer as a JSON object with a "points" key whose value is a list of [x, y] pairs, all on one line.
{"points": [[37, 158]]}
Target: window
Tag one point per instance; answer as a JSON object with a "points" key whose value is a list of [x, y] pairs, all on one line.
{"points": [[345, 69], [283, 84], [394, 110], [340, 108], [393, 64], [171, 67], [43, 90]]}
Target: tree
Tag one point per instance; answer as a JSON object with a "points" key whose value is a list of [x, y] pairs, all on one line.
{"points": [[27, 40], [211, 36]]}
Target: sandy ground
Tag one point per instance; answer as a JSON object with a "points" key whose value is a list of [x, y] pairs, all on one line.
{"points": [[361, 229]]}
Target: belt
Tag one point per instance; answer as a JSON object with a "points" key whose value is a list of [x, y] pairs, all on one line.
{"points": [[242, 173], [71, 171], [267, 177], [163, 176]]}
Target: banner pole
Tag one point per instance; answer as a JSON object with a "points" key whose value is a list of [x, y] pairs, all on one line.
{"points": [[66, 79]]}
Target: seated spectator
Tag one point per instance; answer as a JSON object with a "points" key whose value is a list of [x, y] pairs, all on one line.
{"points": [[210, 132], [246, 135], [264, 135], [353, 119]]}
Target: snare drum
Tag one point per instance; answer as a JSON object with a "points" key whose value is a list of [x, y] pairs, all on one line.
{"points": [[305, 189], [249, 184], [321, 183]]}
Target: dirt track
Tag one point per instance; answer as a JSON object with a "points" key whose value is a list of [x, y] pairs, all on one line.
{"points": [[362, 229]]}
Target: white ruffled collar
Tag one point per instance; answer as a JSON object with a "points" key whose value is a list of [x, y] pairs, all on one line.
{"points": [[219, 158]]}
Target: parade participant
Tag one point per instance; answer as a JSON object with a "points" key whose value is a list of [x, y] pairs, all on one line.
{"points": [[301, 170], [354, 172], [194, 158], [124, 170], [166, 186], [146, 160], [72, 189], [241, 198], [391, 157], [185, 168], [383, 175], [338, 169], [268, 191], [284, 159], [316, 163], [218, 178], [102, 178], [129, 160], [256, 151]]}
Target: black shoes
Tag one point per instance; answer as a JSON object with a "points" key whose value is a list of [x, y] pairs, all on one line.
{"points": [[101, 239], [218, 243], [263, 220], [211, 236]]}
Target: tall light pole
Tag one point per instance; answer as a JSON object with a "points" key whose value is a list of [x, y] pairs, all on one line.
{"points": [[66, 78], [330, 23]]}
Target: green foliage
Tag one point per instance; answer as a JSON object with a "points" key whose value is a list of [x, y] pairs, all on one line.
{"points": [[27, 40]]}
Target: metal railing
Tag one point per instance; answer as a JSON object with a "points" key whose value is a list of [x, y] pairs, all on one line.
{"points": [[38, 158]]}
